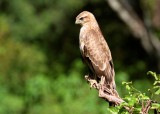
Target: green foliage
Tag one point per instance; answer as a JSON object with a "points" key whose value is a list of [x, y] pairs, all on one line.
{"points": [[136, 101], [156, 84]]}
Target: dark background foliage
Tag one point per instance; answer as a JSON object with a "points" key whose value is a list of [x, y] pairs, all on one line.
{"points": [[41, 71]]}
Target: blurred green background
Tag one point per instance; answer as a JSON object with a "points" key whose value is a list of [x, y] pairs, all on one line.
{"points": [[41, 71]]}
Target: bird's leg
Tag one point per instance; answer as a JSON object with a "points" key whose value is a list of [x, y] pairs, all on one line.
{"points": [[93, 82], [103, 88]]}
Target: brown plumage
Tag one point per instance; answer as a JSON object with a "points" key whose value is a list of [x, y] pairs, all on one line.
{"points": [[94, 48]]}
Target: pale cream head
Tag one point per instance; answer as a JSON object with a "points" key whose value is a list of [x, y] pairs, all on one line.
{"points": [[84, 17]]}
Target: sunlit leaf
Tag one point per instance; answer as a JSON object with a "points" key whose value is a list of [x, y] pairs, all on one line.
{"points": [[155, 106]]}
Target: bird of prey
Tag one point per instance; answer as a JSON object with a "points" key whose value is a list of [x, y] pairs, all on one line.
{"points": [[94, 49]]}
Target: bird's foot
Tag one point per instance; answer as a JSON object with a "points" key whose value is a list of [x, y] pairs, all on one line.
{"points": [[93, 82]]}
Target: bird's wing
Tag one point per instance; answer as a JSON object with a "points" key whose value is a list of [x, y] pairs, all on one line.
{"points": [[97, 50], [98, 56]]}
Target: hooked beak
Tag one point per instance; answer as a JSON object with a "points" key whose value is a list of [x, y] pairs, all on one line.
{"points": [[77, 22]]}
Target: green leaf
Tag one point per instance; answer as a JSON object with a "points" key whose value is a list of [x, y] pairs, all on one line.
{"points": [[156, 87], [155, 106], [132, 101], [145, 98], [128, 87], [152, 74], [156, 82], [127, 83], [123, 83], [157, 92]]}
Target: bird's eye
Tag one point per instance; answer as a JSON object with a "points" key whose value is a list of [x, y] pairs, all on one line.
{"points": [[81, 18]]}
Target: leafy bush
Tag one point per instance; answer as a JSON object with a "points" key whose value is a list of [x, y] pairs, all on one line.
{"points": [[137, 102]]}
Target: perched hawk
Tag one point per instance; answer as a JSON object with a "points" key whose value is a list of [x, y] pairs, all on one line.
{"points": [[94, 48]]}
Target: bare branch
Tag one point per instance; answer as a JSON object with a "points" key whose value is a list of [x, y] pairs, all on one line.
{"points": [[146, 108]]}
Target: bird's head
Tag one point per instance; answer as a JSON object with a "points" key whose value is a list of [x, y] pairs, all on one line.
{"points": [[84, 18]]}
